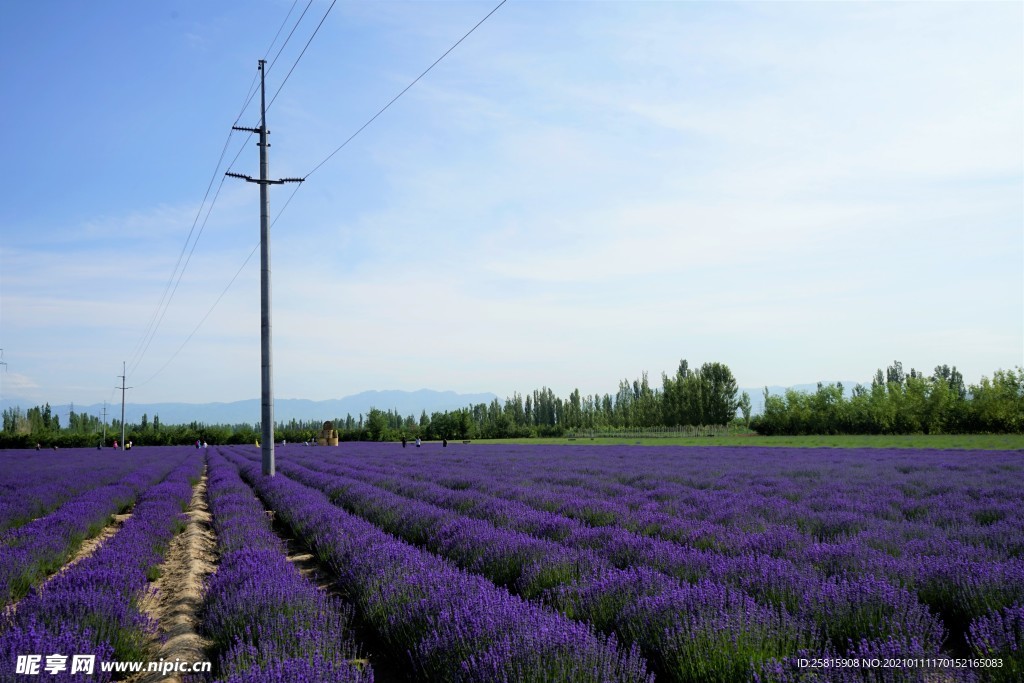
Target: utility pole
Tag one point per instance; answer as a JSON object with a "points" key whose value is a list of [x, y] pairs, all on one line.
{"points": [[122, 388], [266, 375], [104, 422], [4, 364]]}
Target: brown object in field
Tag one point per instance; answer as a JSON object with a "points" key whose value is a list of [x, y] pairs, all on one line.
{"points": [[328, 435]]}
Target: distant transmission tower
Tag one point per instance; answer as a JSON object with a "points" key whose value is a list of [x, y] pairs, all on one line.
{"points": [[267, 385]]}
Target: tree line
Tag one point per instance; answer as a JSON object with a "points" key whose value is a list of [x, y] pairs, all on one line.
{"points": [[692, 396], [708, 395], [894, 403], [900, 403], [41, 426]]}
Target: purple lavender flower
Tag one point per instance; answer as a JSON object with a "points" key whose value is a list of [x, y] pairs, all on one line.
{"points": [[267, 622], [1000, 635]]}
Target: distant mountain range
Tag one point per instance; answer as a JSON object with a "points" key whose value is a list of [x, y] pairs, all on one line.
{"points": [[285, 409]]}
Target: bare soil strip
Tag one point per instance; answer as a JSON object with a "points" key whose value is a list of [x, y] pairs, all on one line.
{"points": [[174, 598], [385, 669], [87, 548]]}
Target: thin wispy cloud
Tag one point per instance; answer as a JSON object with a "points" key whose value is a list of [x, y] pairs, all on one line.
{"points": [[578, 193]]}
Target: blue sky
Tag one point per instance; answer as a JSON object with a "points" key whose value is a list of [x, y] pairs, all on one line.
{"points": [[580, 192]]}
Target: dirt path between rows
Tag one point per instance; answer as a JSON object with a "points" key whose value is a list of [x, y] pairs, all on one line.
{"points": [[385, 669], [174, 598], [91, 545]]}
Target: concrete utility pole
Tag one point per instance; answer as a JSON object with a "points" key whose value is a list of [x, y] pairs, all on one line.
{"points": [[122, 388], [267, 377]]}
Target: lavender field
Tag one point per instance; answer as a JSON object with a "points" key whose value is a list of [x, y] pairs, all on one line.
{"points": [[549, 563]]}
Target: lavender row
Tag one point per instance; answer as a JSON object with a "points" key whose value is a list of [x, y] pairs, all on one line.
{"points": [[733, 493], [724, 629], [33, 551], [946, 525], [454, 625], [773, 580], [712, 631], [749, 506], [512, 559], [620, 547], [958, 581], [723, 485], [268, 623], [843, 608], [726, 645], [535, 567], [92, 608], [33, 483]]}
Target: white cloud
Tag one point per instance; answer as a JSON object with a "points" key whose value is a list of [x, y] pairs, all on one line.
{"points": [[18, 385]]}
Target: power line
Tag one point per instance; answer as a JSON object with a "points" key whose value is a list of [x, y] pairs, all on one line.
{"points": [[182, 273], [252, 89], [395, 98], [139, 352], [298, 21], [384, 108], [294, 64], [165, 298], [315, 168], [278, 34], [207, 315], [317, 30], [290, 34]]}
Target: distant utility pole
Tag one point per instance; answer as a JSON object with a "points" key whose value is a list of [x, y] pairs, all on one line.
{"points": [[267, 415], [104, 422], [3, 363], [122, 388]]}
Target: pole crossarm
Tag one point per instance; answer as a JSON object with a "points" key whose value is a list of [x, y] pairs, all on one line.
{"points": [[250, 179]]}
